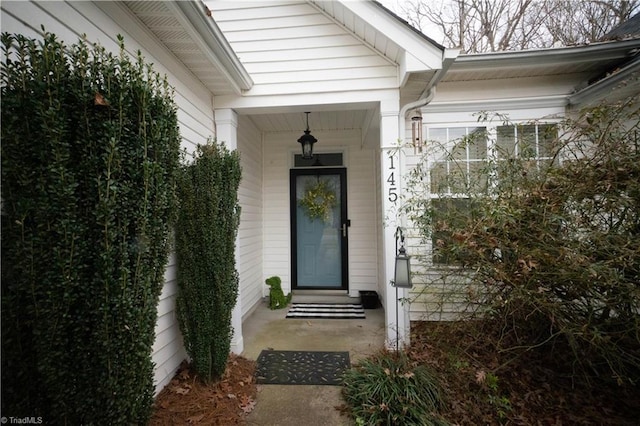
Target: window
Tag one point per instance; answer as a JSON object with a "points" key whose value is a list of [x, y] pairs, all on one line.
{"points": [[460, 154], [526, 141], [447, 213], [319, 160], [458, 162]]}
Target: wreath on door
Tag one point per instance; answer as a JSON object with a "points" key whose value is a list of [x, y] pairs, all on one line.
{"points": [[318, 200]]}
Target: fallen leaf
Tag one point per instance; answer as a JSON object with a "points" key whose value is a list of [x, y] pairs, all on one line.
{"points": [[181, 391], [481, 376], [99, 100], [247, 404], [195, 419]]}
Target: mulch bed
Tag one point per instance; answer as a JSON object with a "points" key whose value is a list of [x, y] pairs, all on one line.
{"points": [[187, 400], [537, 389]]}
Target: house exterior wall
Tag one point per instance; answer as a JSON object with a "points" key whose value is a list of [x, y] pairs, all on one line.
{"points": [[102, 23], [279, 149], [293, 48], [250, 234]]}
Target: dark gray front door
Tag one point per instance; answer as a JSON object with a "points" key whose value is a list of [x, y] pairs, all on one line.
{"points": [[319, 229]]}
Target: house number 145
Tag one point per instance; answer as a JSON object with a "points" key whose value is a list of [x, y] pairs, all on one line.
{"points": [[391, 180]]}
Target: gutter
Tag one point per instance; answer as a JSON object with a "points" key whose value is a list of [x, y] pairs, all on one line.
{"points": [[604, 51], [606, 86], [195, 17], [448, 58]]}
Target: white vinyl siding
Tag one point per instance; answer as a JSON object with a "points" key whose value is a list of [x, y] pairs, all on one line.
{"points": [[250, 235], [292, 47], [69, 21]]}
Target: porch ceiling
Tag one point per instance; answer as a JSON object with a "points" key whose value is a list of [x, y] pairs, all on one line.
{"points": [[318, 120]]}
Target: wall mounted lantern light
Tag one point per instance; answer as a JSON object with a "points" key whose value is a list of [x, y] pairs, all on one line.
{"points": [[307, 141], [416, 131]]}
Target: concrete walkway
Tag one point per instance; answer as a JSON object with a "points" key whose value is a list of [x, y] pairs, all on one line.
{"points": [[295, 405]]}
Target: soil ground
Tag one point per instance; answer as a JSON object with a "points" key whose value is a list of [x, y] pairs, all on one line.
{"points": [[479, 388]]}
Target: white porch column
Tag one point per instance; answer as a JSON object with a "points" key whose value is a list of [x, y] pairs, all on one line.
{"points": [[396, 315], [227, 133]]}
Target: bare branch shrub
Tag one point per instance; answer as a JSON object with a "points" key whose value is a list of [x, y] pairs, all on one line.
{"points": [[551, 247]]}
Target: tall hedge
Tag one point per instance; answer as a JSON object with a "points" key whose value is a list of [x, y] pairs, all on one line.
{"points": [[90, 152], [205, 248]]}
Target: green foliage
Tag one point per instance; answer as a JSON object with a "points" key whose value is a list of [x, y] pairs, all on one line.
{"points": [[277, 299], [554, 245], [90, 149], [205, 247], [502, 404], [389, 389]]}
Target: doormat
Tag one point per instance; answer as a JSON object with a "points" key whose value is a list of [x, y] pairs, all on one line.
{"points": [[326, 310], [301, 367]]}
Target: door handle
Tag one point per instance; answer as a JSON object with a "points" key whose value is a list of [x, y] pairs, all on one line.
{"points": [[344, 230]]}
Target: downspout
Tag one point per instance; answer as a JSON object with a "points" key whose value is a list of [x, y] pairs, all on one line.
{"points": [[448, 58]]}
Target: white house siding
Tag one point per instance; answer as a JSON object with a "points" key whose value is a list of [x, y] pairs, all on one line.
{"points": [[363, 241], [102, 23], [279, 149], [290, 47], [250, 234], [507, 88]]}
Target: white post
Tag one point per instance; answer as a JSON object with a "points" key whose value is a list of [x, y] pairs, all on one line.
{"points": [[396, 315], [227, 133]]}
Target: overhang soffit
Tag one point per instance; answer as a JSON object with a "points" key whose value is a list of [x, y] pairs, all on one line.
{"points": [[194, 38]]}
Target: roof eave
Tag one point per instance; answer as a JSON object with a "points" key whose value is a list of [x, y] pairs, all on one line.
{"points": [[195, 18], [553, 56], [407, 24], [608, 85], [395, 28]]}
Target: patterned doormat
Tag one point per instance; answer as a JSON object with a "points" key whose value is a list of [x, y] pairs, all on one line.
{"points": [[326, 310], [301, 367]]}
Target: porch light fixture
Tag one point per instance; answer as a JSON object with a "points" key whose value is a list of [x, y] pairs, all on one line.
{"points": [[416, 131], [402, 275], [307, 140]]}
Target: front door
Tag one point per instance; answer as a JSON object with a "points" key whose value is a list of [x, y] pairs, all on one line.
{"points": [[319, 229]]}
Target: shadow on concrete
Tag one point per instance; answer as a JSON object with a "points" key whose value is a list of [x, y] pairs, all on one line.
{"points": [[295, 405]]}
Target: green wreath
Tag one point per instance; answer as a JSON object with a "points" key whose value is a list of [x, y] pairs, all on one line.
{"points": [[318, 201]]}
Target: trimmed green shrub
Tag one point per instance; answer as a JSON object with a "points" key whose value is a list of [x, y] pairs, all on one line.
{"points": [[90, 151], [390, 389], [205, 235]]}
